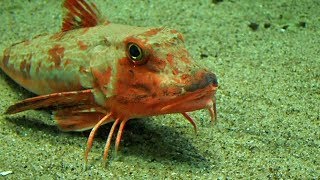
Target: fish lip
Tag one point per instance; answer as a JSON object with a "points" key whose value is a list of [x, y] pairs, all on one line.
{"points": [[190, 101]]}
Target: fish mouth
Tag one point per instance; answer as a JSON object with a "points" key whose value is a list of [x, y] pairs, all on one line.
{"points": [[190, 101], [199, 94]]}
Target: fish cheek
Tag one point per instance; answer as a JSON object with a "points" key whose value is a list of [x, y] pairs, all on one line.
{"points": [[134, 82], [127, 83]]}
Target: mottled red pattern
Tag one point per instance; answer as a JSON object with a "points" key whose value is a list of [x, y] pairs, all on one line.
{"points": [[94, 72], [56, 54]]}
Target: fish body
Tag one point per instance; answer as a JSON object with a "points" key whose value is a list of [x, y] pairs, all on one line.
{"points": [[94, 72]]}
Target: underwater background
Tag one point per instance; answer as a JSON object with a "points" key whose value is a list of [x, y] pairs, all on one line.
{"points": [[266, 57]]}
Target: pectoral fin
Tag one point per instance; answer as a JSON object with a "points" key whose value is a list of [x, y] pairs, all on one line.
{"points": [[54, 101], [74, 110], [77, 121]]}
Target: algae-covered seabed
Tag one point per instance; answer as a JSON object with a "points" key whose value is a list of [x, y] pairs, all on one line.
{"points": [[268, 100]]}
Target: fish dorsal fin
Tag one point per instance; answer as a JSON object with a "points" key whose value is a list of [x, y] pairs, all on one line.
{"points": [[80, 14]]}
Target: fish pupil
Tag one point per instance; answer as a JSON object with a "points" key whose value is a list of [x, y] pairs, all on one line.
{"points": [[135, 52]]}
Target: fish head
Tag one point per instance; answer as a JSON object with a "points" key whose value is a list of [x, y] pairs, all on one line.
{"points": [[158, 76]]}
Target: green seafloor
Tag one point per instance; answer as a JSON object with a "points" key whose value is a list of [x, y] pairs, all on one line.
{"points": [[266, 55]]}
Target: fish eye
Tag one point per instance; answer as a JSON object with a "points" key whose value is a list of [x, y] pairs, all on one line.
{"points": [[135, 53]]}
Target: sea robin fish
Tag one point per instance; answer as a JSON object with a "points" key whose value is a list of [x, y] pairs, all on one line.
{"points": [[95, 72]]}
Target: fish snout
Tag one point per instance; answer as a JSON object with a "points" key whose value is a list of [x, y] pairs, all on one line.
{"points": [[202, 80]]}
